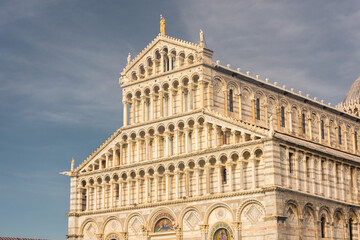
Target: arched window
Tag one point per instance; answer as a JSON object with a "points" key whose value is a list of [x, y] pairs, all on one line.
{"points": [[339, 133], [282, 116], [351, 229], [303, 123], [231, 101], [322, 227], [322, 130], [257, 107], [224, 175]]}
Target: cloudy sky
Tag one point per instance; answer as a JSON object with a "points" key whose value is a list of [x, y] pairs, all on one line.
{"points": [[60, 61]]}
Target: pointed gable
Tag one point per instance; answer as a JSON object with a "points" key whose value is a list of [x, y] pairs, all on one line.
{"points": [[176, 53]]}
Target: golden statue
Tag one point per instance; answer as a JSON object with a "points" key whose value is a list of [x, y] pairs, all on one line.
{"points": [[162, 25]]}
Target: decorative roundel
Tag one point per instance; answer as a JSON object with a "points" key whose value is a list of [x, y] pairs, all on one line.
{"points": [[220, 213], [113, 237]]}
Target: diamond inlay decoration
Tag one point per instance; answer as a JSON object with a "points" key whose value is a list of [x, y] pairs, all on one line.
{"points": [[253, 213], [136, 225], [192, 220]]}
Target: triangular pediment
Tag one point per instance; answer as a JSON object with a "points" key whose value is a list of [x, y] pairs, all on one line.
{"points": [[142, 65]]}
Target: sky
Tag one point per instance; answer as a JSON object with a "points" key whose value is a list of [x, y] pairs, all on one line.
{"points": [[60, 62]]}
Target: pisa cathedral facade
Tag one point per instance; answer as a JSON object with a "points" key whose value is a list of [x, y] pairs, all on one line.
{"points": [[208, 152]]}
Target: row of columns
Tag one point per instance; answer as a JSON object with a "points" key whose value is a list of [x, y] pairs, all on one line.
{"points": [[178, 142], [120, 193], [313, 174], [145, 105]]}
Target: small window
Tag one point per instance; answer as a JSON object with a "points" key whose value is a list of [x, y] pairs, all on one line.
{"points": [[322, 130], [290, 162], [356, 140], [224, 175], [322, 227], [282, 113], [303, 123], [307, 167], [339, 129], [257, 106], [231, 101]]}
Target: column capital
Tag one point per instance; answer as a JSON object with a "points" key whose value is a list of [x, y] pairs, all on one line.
{"points": [[233, 131], [223, 128]]}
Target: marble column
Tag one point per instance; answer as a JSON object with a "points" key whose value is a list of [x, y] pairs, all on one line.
{"points": [[156, 184], [241, 170], [167, 187], [233, 133], [138, 141], [187, 181], [219, 177], [176, 147], [147, 142], [171, 102], [161, 103], [156, 140], [137, 181], [143, 100], [181, 92], [210, 89], [125, 113], [201, 86], [197, 176], [224, 140], [166, 147], [197, 140], [133, 106], [177, 173], [162, 63], [186, 132], [121, 192], [253, 109], [146, 182], [152, 107], [253, 172], [207, 177], [121, 152], [240, 106], [229, 168], [129, 190], [207, 139], [215, 135], [226, 110]]}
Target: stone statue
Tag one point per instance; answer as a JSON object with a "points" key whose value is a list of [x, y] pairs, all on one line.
{"points": [[162, 25], [129, 58], [201, 38], [72, 164]]}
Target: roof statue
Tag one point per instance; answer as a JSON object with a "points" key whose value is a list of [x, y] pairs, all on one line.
{"points": [[72, 164], [201, 38], [162, 25], [129, 58]]}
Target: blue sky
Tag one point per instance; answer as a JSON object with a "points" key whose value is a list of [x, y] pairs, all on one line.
{"points": [[60, 61]]}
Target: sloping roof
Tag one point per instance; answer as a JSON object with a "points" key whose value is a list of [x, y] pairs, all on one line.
{"points": [[14, 238]]}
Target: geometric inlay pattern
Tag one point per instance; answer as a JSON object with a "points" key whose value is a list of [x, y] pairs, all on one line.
{"points": [[135, 225], [90, 233], [191, 220], [253, 213]]}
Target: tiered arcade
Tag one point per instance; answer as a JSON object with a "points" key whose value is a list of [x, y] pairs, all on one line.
{"points": [[207, 152]]}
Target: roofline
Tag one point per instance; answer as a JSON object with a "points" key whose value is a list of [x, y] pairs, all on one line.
{"points": [[282, 91]]}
